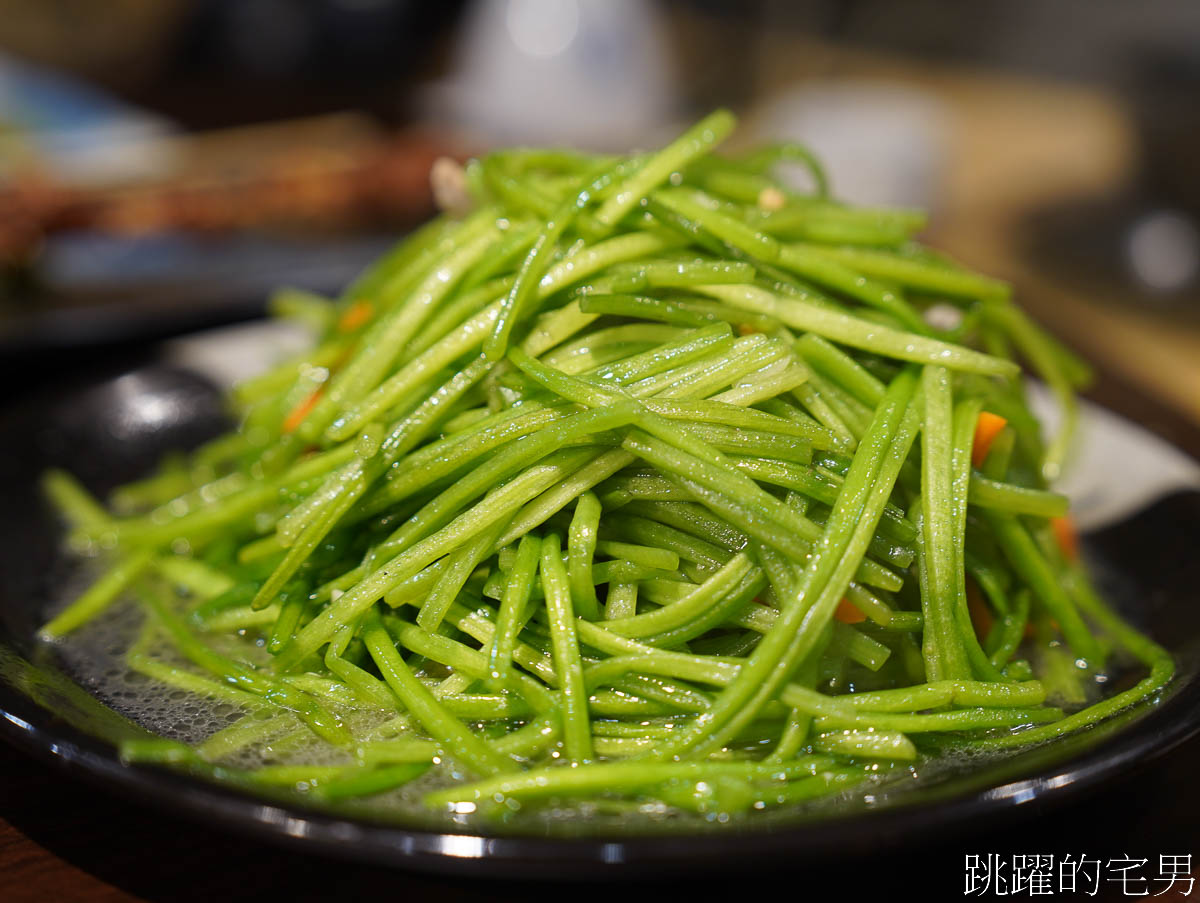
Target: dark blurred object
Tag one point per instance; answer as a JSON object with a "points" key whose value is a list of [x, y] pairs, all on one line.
{"points": [[1076, 40], [240, 61], [96, 292], [1140, 245], [116, 41], [215, 63], [727, 30], [1164, 97], [1119, 250], [340, 39]]}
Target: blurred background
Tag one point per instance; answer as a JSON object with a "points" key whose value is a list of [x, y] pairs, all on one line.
{"points": [[165, 163]]}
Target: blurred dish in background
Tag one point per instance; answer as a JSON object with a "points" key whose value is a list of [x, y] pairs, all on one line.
{"points": [[324, 174], [883, 143], [115, 227], [204, 241], [587, 73]]}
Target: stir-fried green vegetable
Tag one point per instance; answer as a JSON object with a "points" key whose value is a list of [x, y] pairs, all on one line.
{"points": [[643, 475]]}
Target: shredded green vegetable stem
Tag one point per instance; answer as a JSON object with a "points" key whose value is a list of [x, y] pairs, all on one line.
{"points": [[645, 481]]}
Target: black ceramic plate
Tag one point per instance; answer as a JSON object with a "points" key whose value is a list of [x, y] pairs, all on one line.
{"points": [[109, 425]]}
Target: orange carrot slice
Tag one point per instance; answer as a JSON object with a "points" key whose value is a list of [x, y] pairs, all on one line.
{"points": [[981, 615], [987, 428], [1066, 536], [847, 613], [355, 316], [296, 416]]}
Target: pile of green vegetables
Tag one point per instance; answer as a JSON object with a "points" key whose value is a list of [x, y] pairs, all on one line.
{"points": [[638, 481]]}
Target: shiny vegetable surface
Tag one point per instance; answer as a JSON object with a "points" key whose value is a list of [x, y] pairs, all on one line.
{"points": [[641, 480]]}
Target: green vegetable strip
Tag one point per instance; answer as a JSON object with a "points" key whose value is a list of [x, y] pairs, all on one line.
{"points": [[364, 684], [694, 519], [799, 723], [577, 732], [497, 504], [803, 261], [99, 596], [859, 333], [1060, 369], [842, 520], [425, 245], [1010, 632], [842, 368], [942, 643], [872, 744], [461, 563], [244, 732], [700, 210], [936, 280], [521, 454], [388, 335], [195, 577], [648, 556], [621, 601], [646, 308], [708, 555], [346, 489], [192, 682], [401, 384], [530, 273], [370, 781], [511, 617], [807, 612], [765, 157], [317, 718], [695, 603], [1159, 661], [712, 471], [1015, 499], [695, 142], [643, 336], [823, 488], [469, 663], [161, 527], [617, 775], [966, 416], [438, 459], [291, 611], [581, 546], [592, 472], [683, 274], [761, 515], [1027, 560], [454, 737], [74, 502], [308, 539]]}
